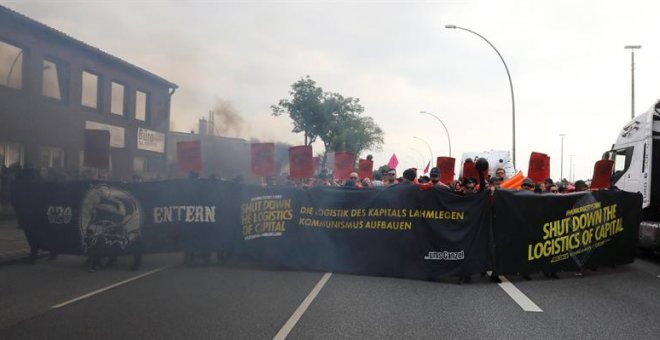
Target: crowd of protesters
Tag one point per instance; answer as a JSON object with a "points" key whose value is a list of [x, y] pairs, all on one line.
{"points": [[465, 186], [384, 178]]}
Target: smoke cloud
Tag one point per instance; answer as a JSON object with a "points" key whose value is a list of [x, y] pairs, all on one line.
{"points": [[227, 121]]}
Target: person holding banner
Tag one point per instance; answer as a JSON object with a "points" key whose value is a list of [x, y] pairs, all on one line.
{"points": [[409, 176], [352, 181], [366, 182], [501, 174], [468, 186], [435, 178], [581, 185], [547, 184], [527, 184], [391, 177]]}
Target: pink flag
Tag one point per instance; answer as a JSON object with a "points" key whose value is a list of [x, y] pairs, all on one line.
{"points": [[393, 162], [426, 169]]}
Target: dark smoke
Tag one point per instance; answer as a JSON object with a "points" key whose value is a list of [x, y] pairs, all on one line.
{"points": [[227, 121]]}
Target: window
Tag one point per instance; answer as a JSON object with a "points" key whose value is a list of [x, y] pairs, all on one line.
{"points": [[90, 90], [11, 65], [50, 157], [140, 105], [11, 154], [117, 99], [53, 82], [139, 165], [622, 160], [92, 173]]}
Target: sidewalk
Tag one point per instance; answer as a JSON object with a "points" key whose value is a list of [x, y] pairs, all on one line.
{"points": [[13, 245]]}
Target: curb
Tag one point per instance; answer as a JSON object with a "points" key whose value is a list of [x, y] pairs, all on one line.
{"points": [[17, 256]]}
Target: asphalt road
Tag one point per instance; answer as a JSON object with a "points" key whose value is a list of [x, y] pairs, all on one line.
{"points": [[166, 300]]}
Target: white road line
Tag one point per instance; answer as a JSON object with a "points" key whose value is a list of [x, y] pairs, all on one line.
{"points": [[107, 288], [519, 297], [288, 326]]}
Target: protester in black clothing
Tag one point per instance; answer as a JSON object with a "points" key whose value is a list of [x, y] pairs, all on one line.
{"points": [[409, 176]]}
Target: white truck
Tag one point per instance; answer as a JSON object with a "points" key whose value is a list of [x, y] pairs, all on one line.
{"points": [[636, 156], [496, 159]]}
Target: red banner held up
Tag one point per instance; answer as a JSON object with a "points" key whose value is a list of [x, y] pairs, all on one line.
{"points": [[446, 167], [97, 149], [365, 169], [602, 174], [301, 162], [539, 167], [189, 156], [263, 159], [470, 170], [343, 165]]}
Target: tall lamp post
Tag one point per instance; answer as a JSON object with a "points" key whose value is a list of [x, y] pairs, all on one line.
{"points": [[420, 155], [427, 145], [632, 49], [443, 125], [561, 171], [513, 105]]}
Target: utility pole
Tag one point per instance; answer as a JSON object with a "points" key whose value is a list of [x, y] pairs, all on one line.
{"points": [[632, 49]]}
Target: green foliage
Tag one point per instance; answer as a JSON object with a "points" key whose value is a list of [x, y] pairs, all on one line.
{"points": [[334, 119], [305, 109], [356, 134]]}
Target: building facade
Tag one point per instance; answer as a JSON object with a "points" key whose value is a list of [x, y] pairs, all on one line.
{"points": [[54, 87]]}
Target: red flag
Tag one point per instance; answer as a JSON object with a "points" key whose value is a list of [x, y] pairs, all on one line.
{"points": [[602, 174], [189, 156], [343, 165], [539, 167], [365, 169], [470, 169], [393, 162], [97, 149], [263, 159], [446, 167], [301, 163], [426, 169]]}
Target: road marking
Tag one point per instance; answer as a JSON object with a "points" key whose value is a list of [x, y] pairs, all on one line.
{"points": [[288, 326], [519, 297], [108, 288]]}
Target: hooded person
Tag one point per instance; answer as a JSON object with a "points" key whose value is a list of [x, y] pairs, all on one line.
{"points": [[409, 176]]}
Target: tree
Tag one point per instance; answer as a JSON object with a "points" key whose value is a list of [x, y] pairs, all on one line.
{"points": [[334, 119], [356, 134], [305, 109]]}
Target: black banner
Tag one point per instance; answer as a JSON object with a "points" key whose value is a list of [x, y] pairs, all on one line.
{"points": [[400, 230], [552, 233], [125, 218]]}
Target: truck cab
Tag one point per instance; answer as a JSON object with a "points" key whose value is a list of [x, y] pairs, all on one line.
{"points": [[636, 156]]}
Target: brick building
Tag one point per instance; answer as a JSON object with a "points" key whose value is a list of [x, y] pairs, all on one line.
{"points": [[53, 87]]}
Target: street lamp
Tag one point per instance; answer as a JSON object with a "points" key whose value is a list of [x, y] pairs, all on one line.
{"points": [[427, 145], [420, 155], [561, 171], [632, 49], [570, 170], [443, 125], [513, 105]]}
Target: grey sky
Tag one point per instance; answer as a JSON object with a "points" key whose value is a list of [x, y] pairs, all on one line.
{"points": [[570, 72]]}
